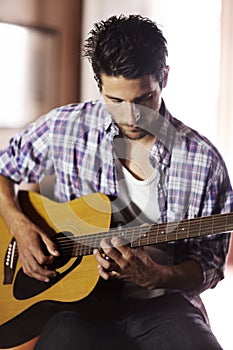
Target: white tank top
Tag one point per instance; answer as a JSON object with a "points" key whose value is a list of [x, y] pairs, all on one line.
{"points": [[138, 199], [137, 204]]}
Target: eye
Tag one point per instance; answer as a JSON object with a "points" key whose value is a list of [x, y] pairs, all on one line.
{"points": [[147, 97], [116, 101], [144, 98], [113, 100]]}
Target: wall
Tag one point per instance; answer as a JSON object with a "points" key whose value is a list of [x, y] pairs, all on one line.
{"points": [[63, 15]]}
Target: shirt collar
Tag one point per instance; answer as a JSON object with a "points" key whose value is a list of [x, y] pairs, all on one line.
{"points": [[110, 127], [165, 137]]}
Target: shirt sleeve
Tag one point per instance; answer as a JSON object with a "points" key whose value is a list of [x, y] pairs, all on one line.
{"points": [[27, 156], [209, 251]]}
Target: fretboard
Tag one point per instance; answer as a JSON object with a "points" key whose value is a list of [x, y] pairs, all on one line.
{"points": [[152, 234]]}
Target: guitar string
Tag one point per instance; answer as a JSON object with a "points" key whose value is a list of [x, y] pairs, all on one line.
{"points": [[154, 233]]}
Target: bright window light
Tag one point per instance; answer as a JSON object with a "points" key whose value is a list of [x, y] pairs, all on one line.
{"points": [[13, 73], [29, 71]]}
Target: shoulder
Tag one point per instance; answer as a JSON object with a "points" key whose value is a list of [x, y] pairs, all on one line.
{"points": [[79, 112], [194, 151], [75, 121], [194, 142]]}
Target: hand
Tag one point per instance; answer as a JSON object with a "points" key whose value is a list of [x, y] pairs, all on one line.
{"points": [[30, 240], [128, 264]]}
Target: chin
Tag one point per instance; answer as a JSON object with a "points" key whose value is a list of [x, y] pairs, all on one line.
{"points": [[135, 135]]}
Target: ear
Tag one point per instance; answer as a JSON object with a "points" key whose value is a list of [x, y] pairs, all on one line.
{"points": [[166, 72]]}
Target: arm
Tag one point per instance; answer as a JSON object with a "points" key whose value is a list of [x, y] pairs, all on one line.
{"points": [[28, 236]]}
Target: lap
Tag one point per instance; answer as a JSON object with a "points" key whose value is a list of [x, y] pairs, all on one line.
{"points": [[168, 322]]}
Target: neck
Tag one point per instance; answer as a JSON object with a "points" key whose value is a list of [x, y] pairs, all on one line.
{"points": [[134, 155]]}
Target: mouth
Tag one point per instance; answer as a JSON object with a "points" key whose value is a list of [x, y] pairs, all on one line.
{"points": [[133, 132], [131, 127]]}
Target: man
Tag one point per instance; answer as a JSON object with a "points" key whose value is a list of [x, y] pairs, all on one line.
{"points": [[155, 169]]}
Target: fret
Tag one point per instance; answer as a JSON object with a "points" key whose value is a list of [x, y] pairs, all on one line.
{"points": [[132, 239], [183, 232], [157, 233], [199, 227], [205, 227], [226, 225], [131, 236], [145, 235], [81, 249], [75, 249], [212, 226], [161, 233], [188, 230], [135, 239], [177, 231], [166, 233], [229, 222]]}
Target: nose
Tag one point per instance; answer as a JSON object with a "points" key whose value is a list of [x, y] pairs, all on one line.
{"points": [[133, 113]]}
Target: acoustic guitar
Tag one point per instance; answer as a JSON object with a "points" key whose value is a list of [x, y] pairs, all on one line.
{"points": [[78, 227]]}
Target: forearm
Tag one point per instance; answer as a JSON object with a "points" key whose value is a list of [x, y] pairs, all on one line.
{"points": [[9, 208], [185, 276], [210, 253]]}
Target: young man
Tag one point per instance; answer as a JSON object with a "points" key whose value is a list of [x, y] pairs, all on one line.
{"points": [[155, 169]]}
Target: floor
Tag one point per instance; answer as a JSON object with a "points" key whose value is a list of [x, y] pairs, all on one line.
{"points": [[219, 305]]}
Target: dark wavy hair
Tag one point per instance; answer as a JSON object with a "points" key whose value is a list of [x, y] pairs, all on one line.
{"points": [[129, 46]]}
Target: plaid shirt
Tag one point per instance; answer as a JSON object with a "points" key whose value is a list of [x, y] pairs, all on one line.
{"points": [[75, 142]]}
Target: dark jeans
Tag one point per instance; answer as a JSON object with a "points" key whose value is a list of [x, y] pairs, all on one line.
{"points": [[168, 322]]}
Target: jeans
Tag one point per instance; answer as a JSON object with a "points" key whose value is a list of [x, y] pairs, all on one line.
{"points": [[167, 322]]}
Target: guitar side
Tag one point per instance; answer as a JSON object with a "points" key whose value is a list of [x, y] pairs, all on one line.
{"points": [[86, 215], [29, 345]]}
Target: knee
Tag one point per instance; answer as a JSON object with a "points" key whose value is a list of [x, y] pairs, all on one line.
{"points": [[63, 331], [67, 322]]}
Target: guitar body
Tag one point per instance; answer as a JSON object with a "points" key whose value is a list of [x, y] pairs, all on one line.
{"points": [[25, 304]]}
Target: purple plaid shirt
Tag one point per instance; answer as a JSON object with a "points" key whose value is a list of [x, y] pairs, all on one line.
{"points": [[75, 142]]}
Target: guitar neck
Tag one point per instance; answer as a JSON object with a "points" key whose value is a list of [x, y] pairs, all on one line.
{"points": [[153, 234]]}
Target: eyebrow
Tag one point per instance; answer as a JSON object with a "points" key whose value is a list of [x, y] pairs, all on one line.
{"points": [[136, 98], [112, 97]]}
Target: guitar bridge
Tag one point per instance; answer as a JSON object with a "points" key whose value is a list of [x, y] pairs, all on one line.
{"points": [[10, 261]]}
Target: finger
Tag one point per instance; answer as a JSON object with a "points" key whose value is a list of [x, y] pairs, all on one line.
{"points": [[107, 275], [34, 270], [103, 273], [50, 245], [38, 253], [110, 250], [122, 246], [106, 263]]}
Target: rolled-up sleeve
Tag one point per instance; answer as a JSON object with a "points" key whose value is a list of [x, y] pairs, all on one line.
{"points": [[209, 251], [27, 156]]}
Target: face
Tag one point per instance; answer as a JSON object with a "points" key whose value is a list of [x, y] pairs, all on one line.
{"points": [[133, 103]]}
